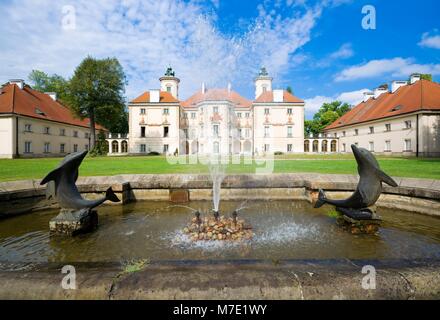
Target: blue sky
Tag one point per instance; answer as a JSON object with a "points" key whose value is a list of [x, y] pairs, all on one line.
{"points": [[319, 47]]}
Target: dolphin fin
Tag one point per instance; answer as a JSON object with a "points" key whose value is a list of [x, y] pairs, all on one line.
{"points": [[110, 195], [386, 178], [52, 176], [321, 199]]}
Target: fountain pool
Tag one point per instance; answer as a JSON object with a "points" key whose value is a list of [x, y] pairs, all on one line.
{"points": [[283, 230]]}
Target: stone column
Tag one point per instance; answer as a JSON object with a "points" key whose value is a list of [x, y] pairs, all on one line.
{"points": [[110, 147], [119, 146], [319, 145]]}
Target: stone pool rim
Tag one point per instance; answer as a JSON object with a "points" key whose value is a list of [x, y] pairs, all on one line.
{"points": [[414, 195]]}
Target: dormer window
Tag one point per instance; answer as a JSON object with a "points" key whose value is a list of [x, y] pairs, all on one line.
{"points": [[396, 108], [39, 112]]}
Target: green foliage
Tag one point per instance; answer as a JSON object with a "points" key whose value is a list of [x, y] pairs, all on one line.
{"points": [[135, 266], [333, 213], [43, 82], [101, 146], [426, 76], [326, 115], [289, 90], [96, 92]]}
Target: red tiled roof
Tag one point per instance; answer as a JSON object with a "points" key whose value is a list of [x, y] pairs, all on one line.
{"points": [[165, 97], [267, 97], [217, 95], [422, 95], [35, 104]]}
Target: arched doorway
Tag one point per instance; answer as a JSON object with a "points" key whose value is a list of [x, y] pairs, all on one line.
{"points": [[115, 146], [324, 146], [333, 145], [315, 146], [124, 147], [306, 146]]}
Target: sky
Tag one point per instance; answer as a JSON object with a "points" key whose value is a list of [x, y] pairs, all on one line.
{"points": [[324, 50]]}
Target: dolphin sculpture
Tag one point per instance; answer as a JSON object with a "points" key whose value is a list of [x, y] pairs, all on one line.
{"points": [[61, 185], [369, 187]]}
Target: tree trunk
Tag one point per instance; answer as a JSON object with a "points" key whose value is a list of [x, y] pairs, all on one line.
{"points": [[92, 129]]}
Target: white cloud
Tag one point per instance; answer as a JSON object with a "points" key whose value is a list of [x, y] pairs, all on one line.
{"points": [[396, 67], [312, 105], [146, 36], [344, 52], [430, 41]]}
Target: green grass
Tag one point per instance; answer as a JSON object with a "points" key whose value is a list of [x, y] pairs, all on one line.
{"points": [[21, 169]]}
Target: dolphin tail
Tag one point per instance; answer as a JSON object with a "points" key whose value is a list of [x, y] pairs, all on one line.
{"points": [[322, 199], [111, 196]]}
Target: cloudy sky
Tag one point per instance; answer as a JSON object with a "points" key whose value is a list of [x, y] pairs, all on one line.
{"points": [[319, 48]]}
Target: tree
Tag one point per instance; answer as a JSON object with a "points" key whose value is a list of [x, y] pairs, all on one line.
{"points": [[326, 115], [426, 76], [43, 82], [289, 90], [96, 91]]}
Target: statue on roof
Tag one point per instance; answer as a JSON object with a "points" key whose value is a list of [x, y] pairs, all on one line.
{"points": [[170, 72], [263, 72]]}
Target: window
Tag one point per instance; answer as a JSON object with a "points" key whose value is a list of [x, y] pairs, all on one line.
{"points": [[86, 135], [28, 128], [266, 148], [266, 131], [289, 111], [166, 132], [143, 148], [46, 130], [86, 147], [216, 148], [356, 144], [185, 133], [185, 115], [62, 147], [387, 145], [240, 133], [168, 88], [62, 132], [215, 109], [165, 148], [239, 115], [215, 130], [371, 146], [344, 148], [166, 111], [408, 124], [142, 132], [371, 130], [75, 134], [289, 132], [27, 147], [388, 127], [193, 115], [75, 148], [343, 133], [264, 88], [266, 111], [46, 147], [142, 110], [247, 132], [356, 132], [289, 148], [408, 146], [247, 114]]}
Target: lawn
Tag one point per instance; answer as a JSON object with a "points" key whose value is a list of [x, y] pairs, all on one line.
{"points": [[19, 169]]}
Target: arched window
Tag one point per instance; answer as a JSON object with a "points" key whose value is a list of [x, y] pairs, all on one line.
{"points": [[216, 148], [333, 145], [324, 146], [315, 146], [306, 146], [115, 146], [124, 147]]}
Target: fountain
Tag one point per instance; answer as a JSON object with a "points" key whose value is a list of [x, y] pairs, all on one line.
{"points": [[218, 227]]}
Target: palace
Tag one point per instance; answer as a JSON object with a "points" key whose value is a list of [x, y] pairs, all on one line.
{"points": [[213, 121]]}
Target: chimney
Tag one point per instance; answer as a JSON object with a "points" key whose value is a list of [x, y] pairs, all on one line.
{"points": [[203, 88], [155, 96], [397, 84], [278, 96], [379, 91], [367, 96], [18, 82], [415, 77], [52, 95]]}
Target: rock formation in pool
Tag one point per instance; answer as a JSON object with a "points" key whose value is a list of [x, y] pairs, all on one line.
{"points": [[76, 213], [368, 190]]}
